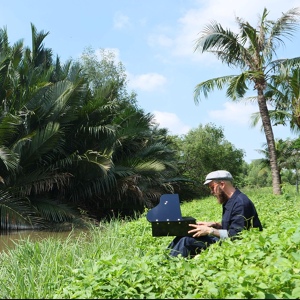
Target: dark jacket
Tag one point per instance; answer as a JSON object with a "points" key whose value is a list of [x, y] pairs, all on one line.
{"points": [[239, 213]]}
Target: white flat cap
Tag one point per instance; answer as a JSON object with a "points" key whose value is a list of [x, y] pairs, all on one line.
{"points": [[218, 175]]}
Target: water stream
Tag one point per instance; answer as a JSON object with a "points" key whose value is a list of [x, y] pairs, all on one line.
{"points": [[8, 241]]}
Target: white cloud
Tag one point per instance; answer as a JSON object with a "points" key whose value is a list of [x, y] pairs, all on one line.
{"points": [[147, 82], [184, 35], [171, 122], [160, 39], [233, 112], [121, 20]]}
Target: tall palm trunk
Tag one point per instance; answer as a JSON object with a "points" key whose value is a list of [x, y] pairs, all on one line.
{"points": [[265, 117]]}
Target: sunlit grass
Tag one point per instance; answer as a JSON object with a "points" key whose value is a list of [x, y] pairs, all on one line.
{"points": [[121, 259]]}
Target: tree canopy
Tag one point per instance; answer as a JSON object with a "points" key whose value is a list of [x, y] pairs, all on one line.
{"points": [[206, 149], [73, 140]]}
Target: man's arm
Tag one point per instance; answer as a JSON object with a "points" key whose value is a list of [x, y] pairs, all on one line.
{"points": [[238, 218]]}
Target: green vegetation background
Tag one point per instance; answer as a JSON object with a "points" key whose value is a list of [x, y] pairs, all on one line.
{"points": [[121, 259]]}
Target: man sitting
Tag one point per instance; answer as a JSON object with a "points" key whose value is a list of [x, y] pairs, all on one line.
{"points": [[239, 213]]}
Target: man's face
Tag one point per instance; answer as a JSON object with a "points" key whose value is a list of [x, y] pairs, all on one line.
{"points": [[216, 190]]}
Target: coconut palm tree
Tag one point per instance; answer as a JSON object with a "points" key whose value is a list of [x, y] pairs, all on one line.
{"points": [[252, 50], [284, 94]]}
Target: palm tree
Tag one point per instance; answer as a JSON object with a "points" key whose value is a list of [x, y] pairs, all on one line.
{"points": [[252, 50], [35, 116], [141, 159], [281, 154], [70, 139], [292, 161], [284, 94], [287, 152]]}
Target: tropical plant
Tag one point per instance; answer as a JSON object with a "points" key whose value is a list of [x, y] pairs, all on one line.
{"points": [[73, 140], [252, 50], [283, 93], [205, 149], [292, 161], [287, 152], [258, 173], [144, 162], [35, 136]]}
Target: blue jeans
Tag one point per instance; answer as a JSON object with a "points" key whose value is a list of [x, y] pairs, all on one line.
{"points": [[189, 246]]}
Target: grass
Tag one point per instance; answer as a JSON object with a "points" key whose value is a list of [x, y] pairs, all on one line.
{"points": [[121, 259]]}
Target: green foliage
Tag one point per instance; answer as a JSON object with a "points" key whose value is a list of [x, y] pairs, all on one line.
{"points": [[287, 152], [258, 174], [121, 259], [205, 149], [72, 137], [284, 94]]}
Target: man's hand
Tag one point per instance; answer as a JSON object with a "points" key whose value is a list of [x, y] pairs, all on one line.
{"points": [[215, 225], [209, 224], [200, 230]]}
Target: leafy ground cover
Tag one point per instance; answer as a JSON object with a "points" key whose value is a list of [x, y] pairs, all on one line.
{"points": [[121, 259]]}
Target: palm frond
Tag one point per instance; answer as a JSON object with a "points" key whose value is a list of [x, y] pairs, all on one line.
{"points": [[149, 166], [43, 142], [228, 46], [9, 158], [100, 160], [237, 86], [208, 86], [53, 211], [93, 188], [285, 26], [255, 118], [16, 213], [39, 181]]}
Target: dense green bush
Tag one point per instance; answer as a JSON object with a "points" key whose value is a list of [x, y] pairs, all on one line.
{"points": [[121, 259]]}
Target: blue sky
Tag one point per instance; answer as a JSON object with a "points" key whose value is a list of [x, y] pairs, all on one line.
{"points": [[155, 42]]}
